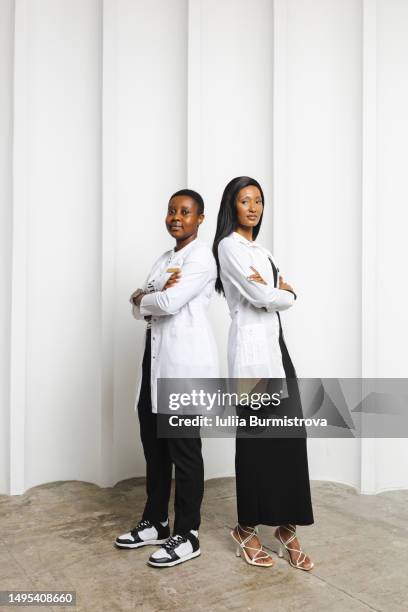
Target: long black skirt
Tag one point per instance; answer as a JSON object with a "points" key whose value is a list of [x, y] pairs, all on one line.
{"points": [[272, 474]]}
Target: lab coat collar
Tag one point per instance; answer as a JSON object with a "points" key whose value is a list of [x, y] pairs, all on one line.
{"points": [[252, 243], [184, 249], [244, 240]]}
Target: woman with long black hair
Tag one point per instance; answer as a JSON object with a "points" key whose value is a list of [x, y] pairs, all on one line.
{"points": [[272, 477]]}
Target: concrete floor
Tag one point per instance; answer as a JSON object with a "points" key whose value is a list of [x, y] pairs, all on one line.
{"points": [[60, 536]]}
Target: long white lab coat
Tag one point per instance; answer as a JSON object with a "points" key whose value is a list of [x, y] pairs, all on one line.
{"points": [[253, 342], [182, 340]]}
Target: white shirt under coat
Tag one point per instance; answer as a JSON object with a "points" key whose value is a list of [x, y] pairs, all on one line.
{"points": [[182, 340], [253, 341]]}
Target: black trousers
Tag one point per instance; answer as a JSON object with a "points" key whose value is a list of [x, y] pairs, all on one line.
{"points": [[160, 455], [272, 474]]}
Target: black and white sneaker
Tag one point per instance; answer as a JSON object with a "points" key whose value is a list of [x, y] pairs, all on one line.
{"points": [[144, 534], [176, 550]]}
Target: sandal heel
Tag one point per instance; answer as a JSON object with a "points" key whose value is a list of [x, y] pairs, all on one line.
{"points": [[238, 551], [283, 546]]}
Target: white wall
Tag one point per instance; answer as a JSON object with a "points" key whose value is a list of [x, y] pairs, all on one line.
{"points": [[146, 47], [390, 465], [118, 103], [56, 241], [392, 153], [318, 198], [230, 130], [6, 81]]}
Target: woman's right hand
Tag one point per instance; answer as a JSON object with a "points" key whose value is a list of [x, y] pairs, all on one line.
{"points": [[174, 278], [134, 296]]}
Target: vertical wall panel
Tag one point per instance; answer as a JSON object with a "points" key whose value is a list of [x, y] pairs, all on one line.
{"points": [[318, 196], [19, 272], [149, 48], [392, 104], [108, 240], [6, 88], [369, 232], [57, 171], [392, 136], [230, 130], [236, 69], [323, 233], [230, 109]]}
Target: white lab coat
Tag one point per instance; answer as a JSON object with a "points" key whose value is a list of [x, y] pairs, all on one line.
{"points": [[253, 342], [182, 341]]}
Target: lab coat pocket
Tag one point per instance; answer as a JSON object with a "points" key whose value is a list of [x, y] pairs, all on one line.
{"points": [[252, 344], [191, 346]]}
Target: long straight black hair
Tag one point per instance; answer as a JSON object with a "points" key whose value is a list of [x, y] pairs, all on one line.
{"points": [[227, 219]]}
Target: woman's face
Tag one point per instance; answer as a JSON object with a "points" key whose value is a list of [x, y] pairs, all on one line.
{"points": [[183, 220], [249, 206]]}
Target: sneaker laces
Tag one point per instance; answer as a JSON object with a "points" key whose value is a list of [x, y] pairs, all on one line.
{"points": [[173, 541], [140, 526]]}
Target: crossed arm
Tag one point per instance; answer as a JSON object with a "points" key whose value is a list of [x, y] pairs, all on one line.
{"points": [[180, 288], [237, 264], [183, 285]]}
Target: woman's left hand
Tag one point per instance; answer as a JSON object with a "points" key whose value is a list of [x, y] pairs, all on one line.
{"points": [[256, 277], [284, 285]]}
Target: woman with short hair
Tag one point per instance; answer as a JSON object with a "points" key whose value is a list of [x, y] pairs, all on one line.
{"points": [[179, 344]]}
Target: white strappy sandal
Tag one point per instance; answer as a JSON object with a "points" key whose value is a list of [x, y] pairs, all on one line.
{"points": [[284, 544], [260, 553]]}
